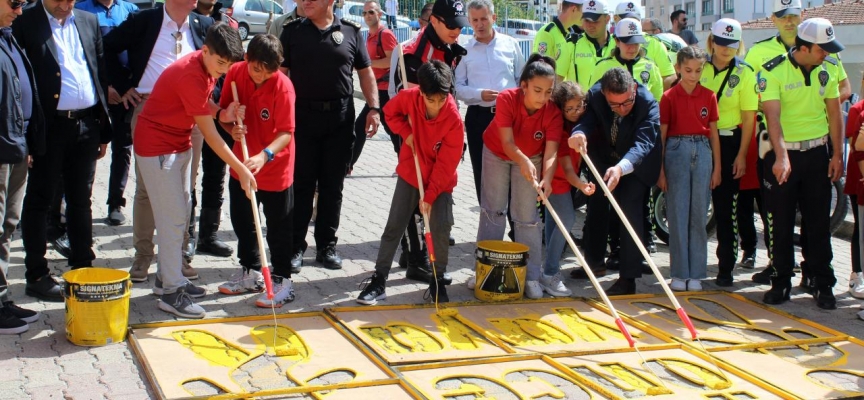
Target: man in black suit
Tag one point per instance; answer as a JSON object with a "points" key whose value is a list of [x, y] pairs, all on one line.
{"points": [[65, 48], [153, 39], [622, 125]]}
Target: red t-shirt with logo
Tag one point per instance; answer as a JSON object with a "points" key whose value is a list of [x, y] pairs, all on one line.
{"points": [[853, 173], [181, 93], [269, 110], [688, 114], [530, 132], [388, 43]]}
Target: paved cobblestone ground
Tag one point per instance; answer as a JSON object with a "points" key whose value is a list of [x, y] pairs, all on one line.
{"points": [[42, 364]]}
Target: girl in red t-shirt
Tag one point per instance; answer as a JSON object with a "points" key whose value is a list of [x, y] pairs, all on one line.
{"points": [[855, 189], [520, 150], [570, 98], [691, 168]]}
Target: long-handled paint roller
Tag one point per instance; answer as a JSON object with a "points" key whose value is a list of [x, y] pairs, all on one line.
{"points": [[653, 391], [726, 383], [265, 267]]}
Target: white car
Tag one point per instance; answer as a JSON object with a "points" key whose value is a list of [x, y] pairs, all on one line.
{"points": [[251, 15], [521, 28]]}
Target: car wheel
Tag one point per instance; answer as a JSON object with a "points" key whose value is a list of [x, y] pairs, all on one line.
{"points": [[243, 29]]}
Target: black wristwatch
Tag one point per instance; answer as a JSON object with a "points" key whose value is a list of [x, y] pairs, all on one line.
{"points": [[375, 109], [217, 115]]}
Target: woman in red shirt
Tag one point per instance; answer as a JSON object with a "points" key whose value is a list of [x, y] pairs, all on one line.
{"points": [[521, 140], [570, 98], [690, 169]]}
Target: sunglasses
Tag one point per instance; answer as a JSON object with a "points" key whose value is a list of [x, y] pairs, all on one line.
{"points": [[370, 12], [17, 4], [448, 26]]}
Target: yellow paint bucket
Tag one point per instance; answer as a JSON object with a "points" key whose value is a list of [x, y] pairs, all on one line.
{"points": [[501, 269], [97, 305]]}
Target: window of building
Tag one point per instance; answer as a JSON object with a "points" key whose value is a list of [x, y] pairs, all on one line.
{"points": [[728, 6], [651, 12], [707, 7], [706, 27], [690, 8]]}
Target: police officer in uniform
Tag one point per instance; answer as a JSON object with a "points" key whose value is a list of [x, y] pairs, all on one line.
{"points": [[593, 46], [800, 99], [556, 39], [321, 52]]}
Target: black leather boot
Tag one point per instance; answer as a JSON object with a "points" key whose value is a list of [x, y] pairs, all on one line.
{"points": [[437, 292], [780, 291], [207, 241], [824, 296], [621, 287]]}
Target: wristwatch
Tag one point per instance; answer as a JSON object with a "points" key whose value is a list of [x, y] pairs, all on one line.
{"points": [[269, 154], [375, 109]]}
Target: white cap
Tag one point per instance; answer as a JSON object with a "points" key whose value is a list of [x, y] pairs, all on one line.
{"points": [[821, 32], [592, 10], [628, 9], [785, 7], [629, 30], [580, 2], [727, 33]]}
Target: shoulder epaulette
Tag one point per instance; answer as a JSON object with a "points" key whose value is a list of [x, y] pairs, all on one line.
{"points": [[831, 60], [742, 63], [764, 40], [290, 21], [548, 27], [601, 60], [774, 62], [350, 22]]}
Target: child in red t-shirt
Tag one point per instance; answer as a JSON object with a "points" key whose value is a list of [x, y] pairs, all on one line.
{"points": [[690, 169], [855, 131], [163, 152], [570, 98], [520, 150], [269, 99], [428, 120]]}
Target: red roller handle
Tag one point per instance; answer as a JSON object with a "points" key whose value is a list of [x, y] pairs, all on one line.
{"points": [[429, 245], [625, 332], [268, 283], [689, 324]]}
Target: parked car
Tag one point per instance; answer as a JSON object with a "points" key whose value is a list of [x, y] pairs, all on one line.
{"points": [[521, 28], [251, 15]]}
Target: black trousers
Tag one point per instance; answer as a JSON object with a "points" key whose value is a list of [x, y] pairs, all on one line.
{"points": [[323, 142], [808, 188], [630, 194], [360, 129], [746, 221], [213, 171], [279, 214], [121, 154], [615, 225], [477, 119], [725, 198], [72, 148]]}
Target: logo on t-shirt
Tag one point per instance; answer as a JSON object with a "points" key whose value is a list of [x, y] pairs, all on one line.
{"points": [[644, 76], [704, 112], [436, 147], [538, 135], [265, 114], [734, 80]]}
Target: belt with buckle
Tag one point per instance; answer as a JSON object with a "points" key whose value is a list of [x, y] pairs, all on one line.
{"points": [[76, 114], [490, 110], [805, 145], [726, 132]]}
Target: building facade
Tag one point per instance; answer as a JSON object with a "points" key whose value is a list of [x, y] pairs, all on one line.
{"points": [[702, 13]]}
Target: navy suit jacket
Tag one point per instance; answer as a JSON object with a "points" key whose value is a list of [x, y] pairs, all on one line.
{"points": [[33, 33], [638, 134], [137, 36]]}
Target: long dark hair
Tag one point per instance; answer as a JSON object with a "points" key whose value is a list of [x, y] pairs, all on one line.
{"points": [[537, 65]]}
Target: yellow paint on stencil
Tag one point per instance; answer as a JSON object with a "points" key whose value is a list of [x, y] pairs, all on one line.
{"points": [[529, 332], [288, 343], [212, 348], [588, 330], [381, 336], [629, 380], [461, 337], [402, 337], [695, 373]]}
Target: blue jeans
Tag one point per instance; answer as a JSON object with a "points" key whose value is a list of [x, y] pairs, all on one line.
{"points": [[555, 241], [688, 165], [501, 177]]}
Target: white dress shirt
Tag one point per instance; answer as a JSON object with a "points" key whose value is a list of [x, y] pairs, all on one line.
{"points": [[163, 51], [493, 66], [77, 90], [392, 7]]}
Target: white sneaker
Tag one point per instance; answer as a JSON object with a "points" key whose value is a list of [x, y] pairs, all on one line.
{"points": [[283, 293], [678, 285], [694, 285], [856, 285], [533, 290], [472, 282], [554, 286], [245, 281]]}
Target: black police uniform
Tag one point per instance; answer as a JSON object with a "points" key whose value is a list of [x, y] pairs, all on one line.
{"points": [[321, 63]]}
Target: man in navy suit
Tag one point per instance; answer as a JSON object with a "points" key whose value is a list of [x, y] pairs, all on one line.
{"points": [[65, 48], [153, 39], [622, 127]]}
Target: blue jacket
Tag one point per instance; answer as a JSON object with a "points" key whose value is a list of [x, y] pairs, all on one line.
{"points": [[15, 144], [638, 134]]}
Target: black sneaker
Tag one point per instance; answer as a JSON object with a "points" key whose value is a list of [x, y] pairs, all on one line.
{"points": [[748, 261], [62, 246], [23, 314], [296, 262], [437, 292], [763, 277], [115, 216], [10, 324], [373, 289], [329, 258]]}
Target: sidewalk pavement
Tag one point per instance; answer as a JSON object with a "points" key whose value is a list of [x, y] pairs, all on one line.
{"points": [[42, 364]]}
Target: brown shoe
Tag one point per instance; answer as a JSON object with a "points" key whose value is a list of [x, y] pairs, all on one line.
{"points": [[189, 272], [140, 269]]}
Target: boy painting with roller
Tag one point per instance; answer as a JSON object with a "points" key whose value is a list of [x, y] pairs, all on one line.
{"points": [[268, 128], [163, 151], [427, 119]]}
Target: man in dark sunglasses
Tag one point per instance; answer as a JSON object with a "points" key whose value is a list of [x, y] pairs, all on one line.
{"points": [[679, 27]]}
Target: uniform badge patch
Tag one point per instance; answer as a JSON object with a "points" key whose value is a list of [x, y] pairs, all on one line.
{"points": [[704, 112], [761, 85], [734, 80], [542, 47], [337, 37], [644, 75], [823, 81], [265, 114], [785, 2], [649, 66], [538, 135]]}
